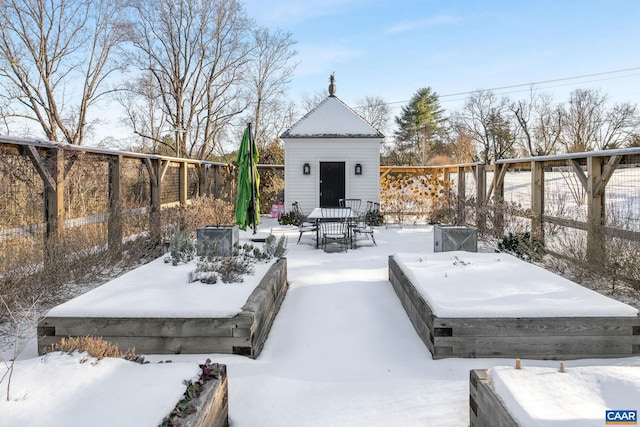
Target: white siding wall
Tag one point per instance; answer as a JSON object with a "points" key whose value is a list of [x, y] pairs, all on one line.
{"points": [[305, 188]]}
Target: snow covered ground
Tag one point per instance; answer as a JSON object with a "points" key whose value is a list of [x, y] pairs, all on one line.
{"points": [[342, 352]]}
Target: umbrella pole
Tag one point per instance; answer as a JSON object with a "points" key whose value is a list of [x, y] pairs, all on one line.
{"points": [[252, 205]]}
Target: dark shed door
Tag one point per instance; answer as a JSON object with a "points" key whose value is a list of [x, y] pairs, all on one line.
{"points": [[331, 183]]}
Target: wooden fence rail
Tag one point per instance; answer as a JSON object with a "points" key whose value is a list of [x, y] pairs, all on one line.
{"points": [[593, 172], [480, 189], [53, 162]]}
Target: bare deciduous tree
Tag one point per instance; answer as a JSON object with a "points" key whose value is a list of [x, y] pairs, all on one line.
{"points": [[486, 119], [589, 124], [548, 126], [17, 322], [375, 111], [311, 101], [280, 116], [621, 123], [196, 54], [539, 124], [55, 59], [461, 146], [270, 73], [522, 110], [141, 101], [582, 120]]}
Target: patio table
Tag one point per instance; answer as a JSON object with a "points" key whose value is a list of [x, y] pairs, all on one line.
{"points": [[341, 213]]}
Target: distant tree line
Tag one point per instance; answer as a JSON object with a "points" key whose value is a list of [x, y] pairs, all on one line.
{"points": [[489, 127], [189, 74]]}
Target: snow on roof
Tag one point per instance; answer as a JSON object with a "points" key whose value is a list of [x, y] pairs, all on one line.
{"points": [[332, 118]]}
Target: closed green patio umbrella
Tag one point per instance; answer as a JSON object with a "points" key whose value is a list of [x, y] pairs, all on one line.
{"points": [[247, 203]]}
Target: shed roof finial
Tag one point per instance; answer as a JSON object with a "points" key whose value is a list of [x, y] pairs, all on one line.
{"points": [[332, 85]]}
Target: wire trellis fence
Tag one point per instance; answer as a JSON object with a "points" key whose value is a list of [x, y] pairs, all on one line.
{"points": [[586, 203], [53, 194]]}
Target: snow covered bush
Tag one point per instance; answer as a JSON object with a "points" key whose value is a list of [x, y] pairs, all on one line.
{"points": [[231, 269]]}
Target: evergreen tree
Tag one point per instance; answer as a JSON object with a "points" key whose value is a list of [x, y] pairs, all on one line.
{"points": [[420, 128]]}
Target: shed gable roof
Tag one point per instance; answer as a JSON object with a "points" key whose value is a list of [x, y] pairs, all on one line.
{"points": [[332, 118]]}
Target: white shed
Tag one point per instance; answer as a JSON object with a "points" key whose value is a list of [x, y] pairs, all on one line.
{"points": [[330, 154]]}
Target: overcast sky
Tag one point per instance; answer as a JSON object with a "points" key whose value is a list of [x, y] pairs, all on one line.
{"points": [[392, 48]]}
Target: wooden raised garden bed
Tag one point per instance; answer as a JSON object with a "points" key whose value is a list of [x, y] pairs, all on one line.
{"points": [[550, 337], [553, 396], [212, 406], [485, 407], [244, 333]]}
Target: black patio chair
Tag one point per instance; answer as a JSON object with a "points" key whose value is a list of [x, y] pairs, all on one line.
{"points": [[304, 225], [334, 227], [365, 225], [354, 204], [356, 216]]}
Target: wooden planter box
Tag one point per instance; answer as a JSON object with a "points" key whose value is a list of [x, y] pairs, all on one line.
{"points": [[485, 407], [212, 406], [555, 338], [243, 334]]}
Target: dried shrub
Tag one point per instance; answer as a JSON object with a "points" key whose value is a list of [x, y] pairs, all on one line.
{"points": [[522, 245], [94, 346], [271, 188], [79, 262], [86, 187], [271, 181], [201, 211], [613, 262], [289, 218], [181, 247], [501, 218], [575, 187], [232, 269]]}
